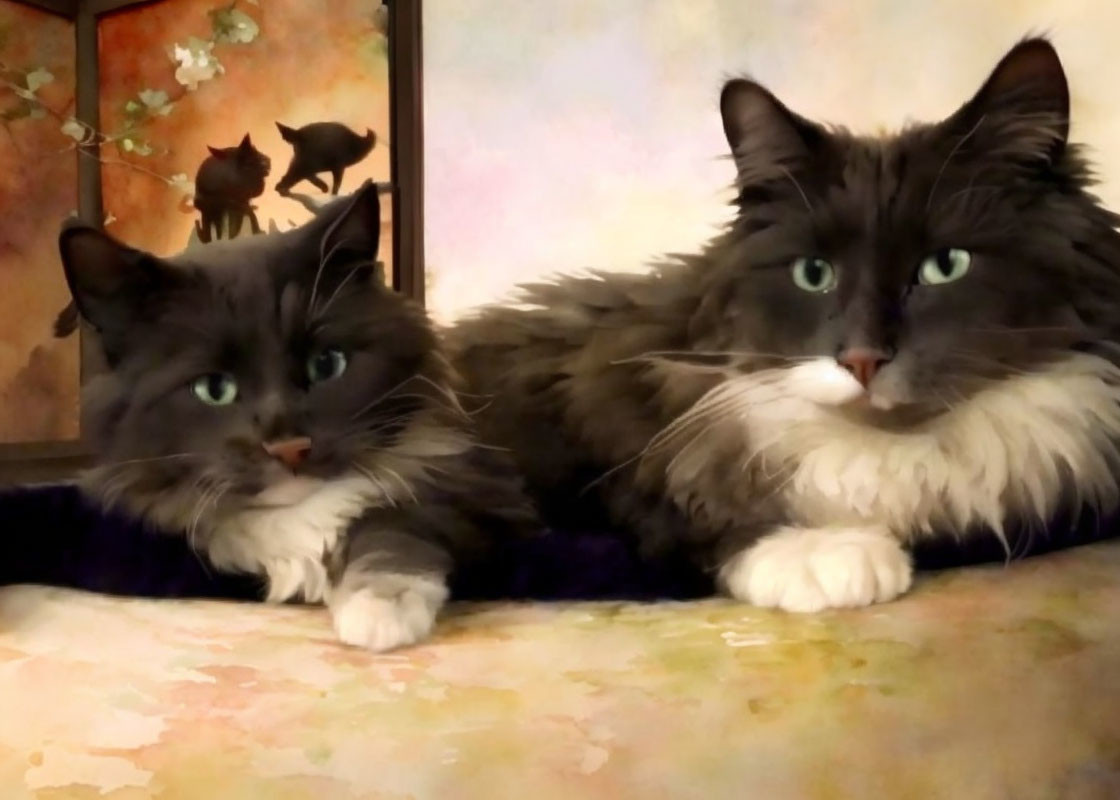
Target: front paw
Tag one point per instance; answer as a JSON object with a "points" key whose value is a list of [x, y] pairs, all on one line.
{"points": [[383, 611], [809, 569]]}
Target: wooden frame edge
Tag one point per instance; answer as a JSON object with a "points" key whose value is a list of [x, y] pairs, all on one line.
{"points": [[406, 140]]}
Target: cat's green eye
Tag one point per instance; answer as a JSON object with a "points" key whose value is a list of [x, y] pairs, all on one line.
{"points": [[945, 266], [326, 365], [813, 275], [215, 389]]}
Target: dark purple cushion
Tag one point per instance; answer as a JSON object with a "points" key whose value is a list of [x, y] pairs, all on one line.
{"points": [[52, 535]]}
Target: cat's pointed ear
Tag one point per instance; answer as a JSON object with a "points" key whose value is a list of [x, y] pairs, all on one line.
{"points": [[112, 283], [286, 133], [353, 231], [217, 152], [246, 144], [767, 139], [1023, 107]]}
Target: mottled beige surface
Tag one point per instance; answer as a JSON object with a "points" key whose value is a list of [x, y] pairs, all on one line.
{"points": [[986, 683]]}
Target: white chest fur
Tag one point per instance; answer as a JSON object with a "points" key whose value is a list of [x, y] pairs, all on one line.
{"points": [[1014, 448], [288, 543]]}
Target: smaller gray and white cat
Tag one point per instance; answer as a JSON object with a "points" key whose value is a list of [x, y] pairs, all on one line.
{"points": [[272, 401]]}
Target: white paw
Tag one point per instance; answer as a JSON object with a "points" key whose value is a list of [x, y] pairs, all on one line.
{"points": [[386, 611], [806, 570]]}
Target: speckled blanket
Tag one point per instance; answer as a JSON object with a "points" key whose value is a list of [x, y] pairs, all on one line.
{"points": [[988, 682]]}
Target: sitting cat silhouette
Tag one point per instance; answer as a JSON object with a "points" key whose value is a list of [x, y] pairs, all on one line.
{"points": [[226, 182], [322, 147]]}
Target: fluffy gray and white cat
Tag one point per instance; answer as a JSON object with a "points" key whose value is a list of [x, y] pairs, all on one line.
{"points": [[271, 400], [897, 337]]}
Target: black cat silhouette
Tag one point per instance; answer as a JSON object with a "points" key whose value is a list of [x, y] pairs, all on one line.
{"points": [[226, 183], [322, 147]]}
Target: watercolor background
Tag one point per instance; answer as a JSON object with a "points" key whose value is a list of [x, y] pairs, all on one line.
{"points": [[583, 133], [297, 61], [38, 188]]}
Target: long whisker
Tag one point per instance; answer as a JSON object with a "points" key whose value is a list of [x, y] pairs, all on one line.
{"points": [[446, 406], [654, 355], [711, 404], [695, 440], [800, 191], [323, 259], [368, 473], [988, 361], [147, 460], [318, 313], [727, 394], [215, 496], [948, 158], [447, 392], [370, 433], [381, 398], [199, 509], [403, 483]]}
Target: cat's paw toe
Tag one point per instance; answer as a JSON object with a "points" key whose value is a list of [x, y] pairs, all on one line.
{"points": [[808, 570], [379, 619]]}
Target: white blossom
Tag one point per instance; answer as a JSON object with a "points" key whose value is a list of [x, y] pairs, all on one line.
{"points": [[196, 63], [74, 129]]}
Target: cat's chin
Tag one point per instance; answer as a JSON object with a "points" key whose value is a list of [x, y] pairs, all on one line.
{"points": [[286, 491]]}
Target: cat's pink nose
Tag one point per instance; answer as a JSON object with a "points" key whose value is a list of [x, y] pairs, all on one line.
{"points": [[289, 452], [863, 362]]}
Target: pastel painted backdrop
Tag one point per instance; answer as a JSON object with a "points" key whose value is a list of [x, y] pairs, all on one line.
{"points": [[38, 188], [583, 133]]}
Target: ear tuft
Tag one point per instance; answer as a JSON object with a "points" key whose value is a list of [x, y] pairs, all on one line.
{"points": [[1023, 105], [348, 234], [767, 139], [112, 284], [356, 225]]}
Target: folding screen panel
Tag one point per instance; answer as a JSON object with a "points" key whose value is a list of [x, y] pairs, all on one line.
{"points": [[38, 188]]}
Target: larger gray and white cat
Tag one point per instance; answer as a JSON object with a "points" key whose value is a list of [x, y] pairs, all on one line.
{"points": [[897, 337], [271, 400]]}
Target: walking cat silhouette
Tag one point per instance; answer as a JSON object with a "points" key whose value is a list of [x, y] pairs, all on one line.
{"points": [[225, 184], [322, 147]]}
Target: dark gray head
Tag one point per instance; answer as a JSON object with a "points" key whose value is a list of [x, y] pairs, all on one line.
{"points": [[252, 367], [245, 163], [925, 263]]}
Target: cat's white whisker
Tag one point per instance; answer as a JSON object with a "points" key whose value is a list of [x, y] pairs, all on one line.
{"points": [[956, 149], [382, 397], [318, 312], [790, 176], [400, 481]]}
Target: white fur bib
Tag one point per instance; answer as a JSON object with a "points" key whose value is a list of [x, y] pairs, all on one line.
{"points": [[288, 543], [1011, 449]]}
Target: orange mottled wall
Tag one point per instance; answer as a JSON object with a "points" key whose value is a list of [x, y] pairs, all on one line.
{"points": [[175, 76], [38, 188]]}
